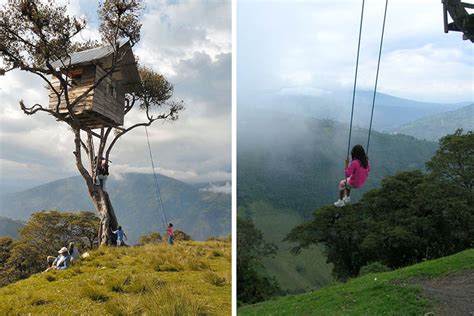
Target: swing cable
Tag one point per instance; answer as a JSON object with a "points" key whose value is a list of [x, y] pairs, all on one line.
{"points": [[355, 80], [159, 201], [376, 77]]}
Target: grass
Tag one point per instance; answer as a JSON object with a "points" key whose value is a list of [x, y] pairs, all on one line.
{"points": [[308, 270], [186, 279], [373, 294]]}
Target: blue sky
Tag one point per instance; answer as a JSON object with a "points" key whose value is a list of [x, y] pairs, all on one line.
{"points": [[309, 47]]}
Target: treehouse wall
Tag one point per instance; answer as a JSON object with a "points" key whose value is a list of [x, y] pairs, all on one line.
{"points": [[103, 106]]}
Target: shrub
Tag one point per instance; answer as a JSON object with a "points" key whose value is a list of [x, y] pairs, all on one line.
{"points": [[151, 238], [373, 267], [179, 235]]}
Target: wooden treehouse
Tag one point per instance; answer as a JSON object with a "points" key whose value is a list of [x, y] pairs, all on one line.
{"points": [[104, 105], [463, 21]]}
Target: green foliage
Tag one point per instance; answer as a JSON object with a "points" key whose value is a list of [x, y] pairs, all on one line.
{"points": [[120, 19], [43, 235], [453, 163], [377, 294], [373, 267], [151, 238], [252, 284], [133, 286], [411, 218], [36, 32], [6, 244]]}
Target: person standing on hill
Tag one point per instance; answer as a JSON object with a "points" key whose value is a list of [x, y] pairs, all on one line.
{"points": [[356, 174], [102, 172], [170, 233], [120, 236]]}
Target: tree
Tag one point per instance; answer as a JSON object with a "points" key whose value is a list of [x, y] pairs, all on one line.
{"points": [[44, 234], [252, 285], [5, 249], [453, 163], [35, 34]]}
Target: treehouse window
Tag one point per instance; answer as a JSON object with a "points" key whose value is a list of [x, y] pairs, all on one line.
{"points": [[75, 77]]}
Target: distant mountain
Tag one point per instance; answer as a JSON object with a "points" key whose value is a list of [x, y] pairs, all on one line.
{"points": [[435, 126], [10, 227], [389, 112], [201, 213], [289, 165]]}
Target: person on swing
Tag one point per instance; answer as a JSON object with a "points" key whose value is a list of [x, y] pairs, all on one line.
{"points": [[356, 174]]}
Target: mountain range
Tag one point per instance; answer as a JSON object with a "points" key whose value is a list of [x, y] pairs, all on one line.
{"points": [[195, 209], [433, 127], [390, 112]]}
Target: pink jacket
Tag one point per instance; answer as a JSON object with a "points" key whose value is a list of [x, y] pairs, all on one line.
{"points": [[357, 174]]}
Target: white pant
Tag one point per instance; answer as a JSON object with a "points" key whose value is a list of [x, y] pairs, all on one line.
{"points": [[102, 180]]}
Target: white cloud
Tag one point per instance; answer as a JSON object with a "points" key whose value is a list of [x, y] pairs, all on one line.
{"points": [[225, 188], [304, 44]]}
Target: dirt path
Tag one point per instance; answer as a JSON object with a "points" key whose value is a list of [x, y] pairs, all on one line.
{"points": [[454, 293]]}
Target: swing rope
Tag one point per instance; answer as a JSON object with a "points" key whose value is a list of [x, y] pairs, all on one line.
{"points": [[157, 187], [355, 79], [376, 77]]}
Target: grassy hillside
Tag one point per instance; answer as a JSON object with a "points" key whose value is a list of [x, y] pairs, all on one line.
{"points": [[435, 126], [389, 293], [199, 213], [298, 273], [188, 278]]}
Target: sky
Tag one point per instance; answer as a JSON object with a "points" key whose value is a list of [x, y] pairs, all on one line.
{"points": [[309, 48], [187, 41]]}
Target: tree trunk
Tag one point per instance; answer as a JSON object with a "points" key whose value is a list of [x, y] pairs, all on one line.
{"points": [[108, 220]]}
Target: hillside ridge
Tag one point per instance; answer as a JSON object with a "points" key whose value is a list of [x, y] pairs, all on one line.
{"points": [[399, 292]]}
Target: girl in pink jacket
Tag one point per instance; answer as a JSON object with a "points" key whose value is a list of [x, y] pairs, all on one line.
{"points": [[356, 175]]}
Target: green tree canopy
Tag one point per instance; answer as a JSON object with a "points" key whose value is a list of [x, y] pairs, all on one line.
{"points": [[252, 283]]}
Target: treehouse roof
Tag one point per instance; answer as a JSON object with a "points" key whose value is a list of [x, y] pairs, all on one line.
{"points": [[126, 69]]}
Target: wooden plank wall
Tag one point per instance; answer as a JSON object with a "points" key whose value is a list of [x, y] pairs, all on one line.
{"points": [[86, 82], [98, 100], [105, 103]]}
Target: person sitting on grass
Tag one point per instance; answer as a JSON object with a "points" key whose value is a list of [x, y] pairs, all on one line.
{"points": [[170, 233], [120, 236], [356, 174], [61, 262]]}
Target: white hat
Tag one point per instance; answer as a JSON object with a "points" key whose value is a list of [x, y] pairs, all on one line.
{"points": [[63, 250]]}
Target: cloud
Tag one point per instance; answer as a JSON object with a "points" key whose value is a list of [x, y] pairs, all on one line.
{"points": [[225, 188], [313, 44]]}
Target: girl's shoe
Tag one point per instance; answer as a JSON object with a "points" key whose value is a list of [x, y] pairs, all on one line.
{"points": [[339, 203], [347, 199]]}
